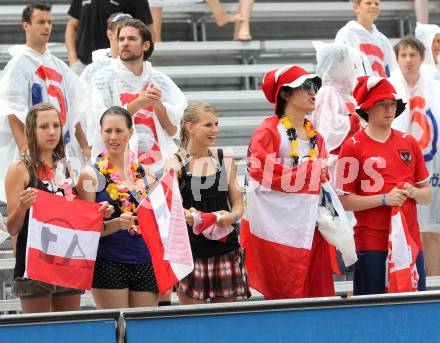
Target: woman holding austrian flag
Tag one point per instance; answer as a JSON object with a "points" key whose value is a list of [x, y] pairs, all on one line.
{"points": [[28, 182], [286, 256]]}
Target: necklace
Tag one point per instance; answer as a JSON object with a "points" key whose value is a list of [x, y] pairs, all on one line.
{"points": [[293, 136], [122, 192]]}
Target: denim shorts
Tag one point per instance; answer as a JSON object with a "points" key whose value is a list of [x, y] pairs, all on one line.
{"points": [[27, 288]]}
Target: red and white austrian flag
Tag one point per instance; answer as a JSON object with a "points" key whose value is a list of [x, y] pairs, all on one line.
{"points": [[63, 238], [206, 224], [401, 269], [163, 226]]}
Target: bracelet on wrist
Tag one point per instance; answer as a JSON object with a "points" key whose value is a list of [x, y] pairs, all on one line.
{"points": [[383, 200]]}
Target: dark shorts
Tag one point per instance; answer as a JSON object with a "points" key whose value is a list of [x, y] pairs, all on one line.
{"points": [[369, 272], [27, 288], [116, 275]]}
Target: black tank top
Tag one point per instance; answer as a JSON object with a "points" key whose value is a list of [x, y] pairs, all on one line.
{"points": [[20, 258], [207, 194]]}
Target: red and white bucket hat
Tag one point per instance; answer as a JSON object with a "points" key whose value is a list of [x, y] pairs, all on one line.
{"points": [[288, 76], [372, 89]]}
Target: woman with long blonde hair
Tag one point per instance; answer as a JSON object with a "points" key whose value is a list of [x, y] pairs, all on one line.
{"points": [[208, 184]]}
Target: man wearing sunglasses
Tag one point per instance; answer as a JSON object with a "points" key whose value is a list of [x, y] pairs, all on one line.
{"points": [[381, 169], [103, 57], [86, 28]]}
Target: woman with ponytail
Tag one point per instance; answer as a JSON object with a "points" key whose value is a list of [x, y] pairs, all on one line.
{"points": [[210, 191]]}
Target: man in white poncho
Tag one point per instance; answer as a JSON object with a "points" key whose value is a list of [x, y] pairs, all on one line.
{"points": [[334, 116], [429, 35], [103, 57], [34, 75], [376, 53], [151, 97], [419, 89]]}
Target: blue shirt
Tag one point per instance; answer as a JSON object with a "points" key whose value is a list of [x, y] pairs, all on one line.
{"points": [[120, 246]]}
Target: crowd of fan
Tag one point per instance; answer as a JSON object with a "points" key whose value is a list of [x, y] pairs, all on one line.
{"points": [[120, 102]]}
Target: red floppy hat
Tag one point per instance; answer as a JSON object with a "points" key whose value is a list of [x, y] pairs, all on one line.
{"points": [[372, 89], [288, 76]]}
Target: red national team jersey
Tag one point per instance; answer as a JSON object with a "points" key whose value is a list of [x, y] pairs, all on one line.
{"points": [[381, 167]]}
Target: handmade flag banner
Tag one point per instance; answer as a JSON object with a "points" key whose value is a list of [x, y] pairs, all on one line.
{"points": [[401, 270], [63, 238], [163, 226], [206, 224]]}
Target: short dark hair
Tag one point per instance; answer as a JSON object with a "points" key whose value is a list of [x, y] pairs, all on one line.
{"points": [[29, 9], [412, 42], [118, 111], [143, 32]]}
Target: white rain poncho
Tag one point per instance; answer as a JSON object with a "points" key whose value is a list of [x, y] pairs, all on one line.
{"points": [[119, 86], [377, 54], [426, 33], [100, 59], [421, 119], [28, 79], [334, 102]]}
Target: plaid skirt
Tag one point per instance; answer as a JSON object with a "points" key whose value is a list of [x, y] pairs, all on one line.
{"points": [[217, 276]]}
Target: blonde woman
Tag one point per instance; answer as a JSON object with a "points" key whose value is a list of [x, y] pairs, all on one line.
{"points": [[208, 183]]}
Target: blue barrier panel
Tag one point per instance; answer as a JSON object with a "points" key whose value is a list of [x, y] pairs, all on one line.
{"points": [[404, 322], [61, 327], [83, 332]]}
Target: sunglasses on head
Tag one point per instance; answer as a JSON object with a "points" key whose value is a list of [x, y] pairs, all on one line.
{"points": [[121, 16], [308, 86]]}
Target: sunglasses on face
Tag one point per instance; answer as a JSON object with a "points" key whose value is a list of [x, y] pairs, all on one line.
{"points": [[309, 86], [120, 17]]}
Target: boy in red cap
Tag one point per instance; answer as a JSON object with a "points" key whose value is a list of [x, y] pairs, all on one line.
{"points": [[371, 166], [287, 256]]}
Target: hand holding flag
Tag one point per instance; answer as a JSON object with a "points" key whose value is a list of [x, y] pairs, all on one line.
{"points": [[162, 223]]}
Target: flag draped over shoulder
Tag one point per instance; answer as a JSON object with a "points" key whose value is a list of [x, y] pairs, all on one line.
{"points": [[401, 269], [163, 226], [281, 210], [63, 238]]}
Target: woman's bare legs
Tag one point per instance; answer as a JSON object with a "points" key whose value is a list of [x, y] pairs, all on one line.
{"points": [[156, 13], [242, 29], [68, 302], [422, 13], [143, 299], [230, 299], [431, 252], [221, 17], [187, 300], [36, 305], [110, 298]]}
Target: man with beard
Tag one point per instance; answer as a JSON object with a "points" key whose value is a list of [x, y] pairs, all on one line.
{"points": [[151, 97], [86, 28]]}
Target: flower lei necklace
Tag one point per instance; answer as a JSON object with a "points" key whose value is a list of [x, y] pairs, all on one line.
{"points": [[119, 190], [294, 144]]}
